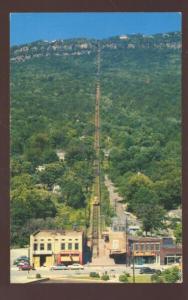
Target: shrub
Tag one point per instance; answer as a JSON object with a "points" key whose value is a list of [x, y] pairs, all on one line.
{"points": [[171, 275], [38, 275], [124, 277], [157, 278], [105, 277], [94, 275]]}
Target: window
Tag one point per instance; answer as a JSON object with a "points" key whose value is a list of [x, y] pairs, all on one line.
{"points": [[142, 247], [136, 247], [62, 246], [35, 246], [49, 246], [170, 260], [70, 246], [76, 246], [42, 246], [115, 244], [157, 247], [178, 259], [152, 247], [149, 247]]}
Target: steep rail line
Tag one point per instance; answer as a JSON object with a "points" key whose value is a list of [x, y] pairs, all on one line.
{"points": [[97, 197]]}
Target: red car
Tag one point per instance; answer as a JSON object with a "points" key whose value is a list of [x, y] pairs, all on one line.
{"points": [[25, 267]]}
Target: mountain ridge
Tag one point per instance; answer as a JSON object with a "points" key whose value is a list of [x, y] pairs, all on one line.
{"points": [[81, 46]]}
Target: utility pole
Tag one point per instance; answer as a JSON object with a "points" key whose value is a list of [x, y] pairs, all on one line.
{"points": [[127, 242], [133, 262]]}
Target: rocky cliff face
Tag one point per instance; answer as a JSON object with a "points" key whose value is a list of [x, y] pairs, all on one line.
{"points": [[88, 46]]}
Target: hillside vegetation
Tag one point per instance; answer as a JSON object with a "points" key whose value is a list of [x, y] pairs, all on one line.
{"points": [[52, 109]]}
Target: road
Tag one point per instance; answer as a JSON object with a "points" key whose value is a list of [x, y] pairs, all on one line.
{"points": [[120, 208], [65, 276], [22, 276]]}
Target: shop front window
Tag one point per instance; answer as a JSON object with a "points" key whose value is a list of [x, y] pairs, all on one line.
{"points": [[170, 260], [149, 260]]}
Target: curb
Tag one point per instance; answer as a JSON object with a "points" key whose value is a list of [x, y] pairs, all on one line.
{"points": [[38, 280]]}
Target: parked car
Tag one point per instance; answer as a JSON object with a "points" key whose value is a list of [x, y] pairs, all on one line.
{"points": [[59, 267], [137, 267], [147, 270], [21, 259], [25, 267], [22, 262], [75, 267]]}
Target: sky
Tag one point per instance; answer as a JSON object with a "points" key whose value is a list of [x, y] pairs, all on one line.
{"points": [[29, 27]]}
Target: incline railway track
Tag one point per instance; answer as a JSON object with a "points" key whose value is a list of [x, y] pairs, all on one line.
{"points": [[97, 197]]}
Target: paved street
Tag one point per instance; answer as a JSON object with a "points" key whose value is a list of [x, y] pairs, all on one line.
{"points": [[19, 276], [26, 277], [115, 201]]}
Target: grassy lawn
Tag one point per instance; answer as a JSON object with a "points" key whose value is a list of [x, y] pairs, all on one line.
{"points": [[138, 278], [141, 279], [85, 277]]}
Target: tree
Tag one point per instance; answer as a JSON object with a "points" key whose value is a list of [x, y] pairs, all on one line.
{"points": [[18, 166], [22, 181], [135, 182], [178, 233], [152, 217], [170, 275], [67, 216], [49, 156], [39, 151], [145, 204], [51, 174], [26, 204], [72, 193]]}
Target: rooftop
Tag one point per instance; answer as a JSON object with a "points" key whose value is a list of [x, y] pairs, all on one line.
{"points": [[145, 239], [57, 232]]}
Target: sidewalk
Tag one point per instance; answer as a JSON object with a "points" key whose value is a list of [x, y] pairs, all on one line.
{"points": [[26, 280]]}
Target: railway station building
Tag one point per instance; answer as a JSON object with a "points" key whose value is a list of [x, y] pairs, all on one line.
{"points": [[118, 246], [49, 247]]}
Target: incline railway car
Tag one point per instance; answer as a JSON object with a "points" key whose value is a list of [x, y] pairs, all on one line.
{"points": [[96, 200]]}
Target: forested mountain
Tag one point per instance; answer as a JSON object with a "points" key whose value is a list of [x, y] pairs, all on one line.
{"points": [[52, 109]]}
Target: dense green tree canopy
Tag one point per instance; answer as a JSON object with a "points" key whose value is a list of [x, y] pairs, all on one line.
{"points": [[52, 87]]}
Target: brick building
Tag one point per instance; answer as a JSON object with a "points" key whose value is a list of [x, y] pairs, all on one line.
{"points": [[146, 250], [170, 252], [154, 250]]}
